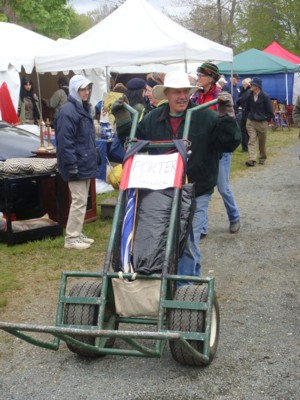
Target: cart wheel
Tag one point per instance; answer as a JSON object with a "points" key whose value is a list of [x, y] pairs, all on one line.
{"points": [[85, 314], [193, 321]]}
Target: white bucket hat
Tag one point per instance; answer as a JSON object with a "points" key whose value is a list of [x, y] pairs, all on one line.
{"points": [[174, 80], [222, 80]]}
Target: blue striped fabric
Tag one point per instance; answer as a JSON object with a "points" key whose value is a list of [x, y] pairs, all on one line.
{"points": [[127, 232]]}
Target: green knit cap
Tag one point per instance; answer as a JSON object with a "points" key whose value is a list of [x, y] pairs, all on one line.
{"points": [[210, 70]]}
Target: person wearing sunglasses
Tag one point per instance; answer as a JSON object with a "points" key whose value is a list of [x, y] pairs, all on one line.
{"points": [[208, 76]]}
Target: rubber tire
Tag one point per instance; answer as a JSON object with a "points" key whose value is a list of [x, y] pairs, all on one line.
{"points": [[85, 314], [193, 321]]}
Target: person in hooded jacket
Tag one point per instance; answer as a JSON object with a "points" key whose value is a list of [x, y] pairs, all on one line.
{"points": [[76, 156]]}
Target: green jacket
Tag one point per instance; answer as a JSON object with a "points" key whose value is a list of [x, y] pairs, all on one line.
{"points": [[21, 109], [210, 136], [58, 99]]}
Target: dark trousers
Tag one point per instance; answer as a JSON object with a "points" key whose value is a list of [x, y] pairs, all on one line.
{"points": [[241, 120]]}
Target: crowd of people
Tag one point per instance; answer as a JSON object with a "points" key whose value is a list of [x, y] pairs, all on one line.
{"points": [[76, 153], [240, 116]]}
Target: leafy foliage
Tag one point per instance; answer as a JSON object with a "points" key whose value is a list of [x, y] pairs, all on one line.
{"points": [[51, 18], [80, 24], [278, 20]]}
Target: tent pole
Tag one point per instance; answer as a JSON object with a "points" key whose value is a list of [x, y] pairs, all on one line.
{"points": [[286, 89], [107, 80], [231, 76], [39, 91]]}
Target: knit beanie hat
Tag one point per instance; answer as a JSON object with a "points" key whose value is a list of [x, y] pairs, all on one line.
{"points": [[209, 69], [136, 84]]}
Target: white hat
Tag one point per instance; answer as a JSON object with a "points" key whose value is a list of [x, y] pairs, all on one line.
{"points": [[222, 80], [174, 80], [86, 84], [193, 74]]}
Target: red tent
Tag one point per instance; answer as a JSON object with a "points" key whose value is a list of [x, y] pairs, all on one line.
{"points": [[277, 50], [7, 108]]}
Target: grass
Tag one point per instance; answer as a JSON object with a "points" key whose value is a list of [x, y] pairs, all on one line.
{"points": [[275, 141], [38, 264], [41, 262]]}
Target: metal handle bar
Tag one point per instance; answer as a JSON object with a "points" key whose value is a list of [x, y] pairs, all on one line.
{"points": [[187, 124], [189, 116]]}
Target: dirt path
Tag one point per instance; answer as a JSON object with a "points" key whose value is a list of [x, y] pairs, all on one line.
{"points": [[258, 285]]}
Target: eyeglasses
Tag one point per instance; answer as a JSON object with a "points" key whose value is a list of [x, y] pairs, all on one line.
{"points": [[201, 75], [87, 89]]}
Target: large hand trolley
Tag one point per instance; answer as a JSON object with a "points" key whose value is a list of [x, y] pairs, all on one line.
{"points": [[90, 317]]}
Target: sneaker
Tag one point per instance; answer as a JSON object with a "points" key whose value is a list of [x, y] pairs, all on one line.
{"points": [[250, 163], [234, 226], [262, 161], [85, 239], [76, 244]]}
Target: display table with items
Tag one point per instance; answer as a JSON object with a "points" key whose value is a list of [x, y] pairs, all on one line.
{"points": [[25, 217]]}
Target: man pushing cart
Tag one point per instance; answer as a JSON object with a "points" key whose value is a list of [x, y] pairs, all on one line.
{"points": [[151, 276], [210, 133]]}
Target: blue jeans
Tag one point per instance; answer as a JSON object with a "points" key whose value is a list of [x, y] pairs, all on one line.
{"points": [[224, 188], [225, 191], [189, 263]]}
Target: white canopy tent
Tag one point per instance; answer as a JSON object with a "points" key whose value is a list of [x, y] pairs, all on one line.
{"points": [[134, 34], [19, 46], [18, 49]]}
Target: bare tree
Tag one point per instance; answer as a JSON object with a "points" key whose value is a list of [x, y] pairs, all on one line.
{"points": [[213, 19]]}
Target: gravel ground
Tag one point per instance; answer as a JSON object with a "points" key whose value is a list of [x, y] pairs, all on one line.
{"points": [[257, 282]]}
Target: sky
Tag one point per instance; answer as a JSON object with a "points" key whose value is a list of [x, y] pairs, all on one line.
{"points": [[83, 6]]}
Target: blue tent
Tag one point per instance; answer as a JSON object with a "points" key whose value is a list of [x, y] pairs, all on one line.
{"points": [[276, 73]]}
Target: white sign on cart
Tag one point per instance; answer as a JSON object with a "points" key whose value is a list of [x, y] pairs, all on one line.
{"points": [[153, 172]]}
